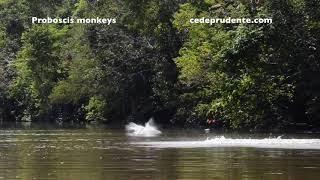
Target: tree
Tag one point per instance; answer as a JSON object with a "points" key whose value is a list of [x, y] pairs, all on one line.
{"points": [[248, 76], [37, 69]]}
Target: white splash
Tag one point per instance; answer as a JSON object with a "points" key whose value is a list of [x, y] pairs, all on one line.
{"points": [[267, 143], [148, 130]]}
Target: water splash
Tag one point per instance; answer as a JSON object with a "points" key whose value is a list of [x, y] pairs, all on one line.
{"points": [[267, 143], [148, 130]]}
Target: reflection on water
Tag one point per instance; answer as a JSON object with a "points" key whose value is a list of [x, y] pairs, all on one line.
{"points": [[110, 154]]}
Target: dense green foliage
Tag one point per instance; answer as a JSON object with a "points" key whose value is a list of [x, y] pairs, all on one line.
{"points": [[247, 75], [153, 62]]}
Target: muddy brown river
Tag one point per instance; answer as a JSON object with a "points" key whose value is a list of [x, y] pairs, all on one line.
{"points": [[104, 154]]}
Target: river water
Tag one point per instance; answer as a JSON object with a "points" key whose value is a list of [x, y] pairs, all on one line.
{"points": [[103, 154]]}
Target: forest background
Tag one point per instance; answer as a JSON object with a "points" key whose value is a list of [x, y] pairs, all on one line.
{"points": [[154, 63]]}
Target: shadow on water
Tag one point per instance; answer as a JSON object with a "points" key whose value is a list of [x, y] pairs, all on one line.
{"points": [[43, 125]]}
